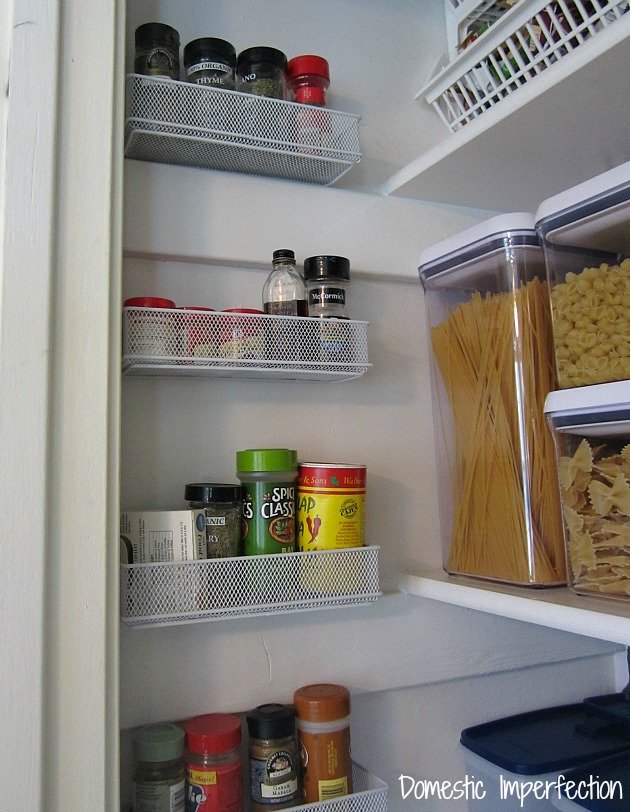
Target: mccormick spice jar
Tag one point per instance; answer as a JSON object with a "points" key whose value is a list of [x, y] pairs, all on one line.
{"points": [[211, 62], [213, 763], [323, 724], [273, 757], [327, 281], [330, 506], [222, 507], [158, 779], [268, 477], [157, 50]]}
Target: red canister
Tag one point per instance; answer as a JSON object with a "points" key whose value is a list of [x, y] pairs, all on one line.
{"points": [[241, 334], [213, 763], [199, 338]]}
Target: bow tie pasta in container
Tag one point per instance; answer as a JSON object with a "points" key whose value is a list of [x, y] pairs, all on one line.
{"points": [[585, 234], [487, 302]]}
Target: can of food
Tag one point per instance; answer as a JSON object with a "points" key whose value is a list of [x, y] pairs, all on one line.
{"points": [[330, 506]]}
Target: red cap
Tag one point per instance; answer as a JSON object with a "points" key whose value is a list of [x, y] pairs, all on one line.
{"points": [[243, 310], [213, 733], [308, 64], [194, 307], [148, 301]]}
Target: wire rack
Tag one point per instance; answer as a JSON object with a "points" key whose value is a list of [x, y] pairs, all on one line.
{"points": [[370, 795], [247, 586], [527, 40], [160, 341], [192, 125]]}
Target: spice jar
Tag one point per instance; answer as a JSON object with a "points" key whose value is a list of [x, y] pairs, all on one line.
{"points": [[262, 71], [273, 757], [210, 61], [323, 725], [309, 77], [327, 281], [150, 330], [240, 335], [157, 50], [198, 335], [222, 506], [213, 763], [268, 477], [158, 780]]}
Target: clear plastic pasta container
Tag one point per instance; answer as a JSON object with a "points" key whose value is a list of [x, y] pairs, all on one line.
{"points": [[489, 326], [591, 429], [585, 234]]}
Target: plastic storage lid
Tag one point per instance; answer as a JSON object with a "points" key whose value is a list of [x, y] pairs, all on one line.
{"points": [[322, 702], [325, 267], [260, 54], [591, 410], [592, 215], [266, 459], [604, 773], [159, 742], [148, 301], [614, 706], [212, 492], [478, 242], [217, 47], [213, 733], [150, 32], [308, 64], [546, 740], [272, 721]]}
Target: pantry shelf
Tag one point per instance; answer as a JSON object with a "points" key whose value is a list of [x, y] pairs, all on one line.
{"points": [[556, 608], [168, 593], [573, 133]]}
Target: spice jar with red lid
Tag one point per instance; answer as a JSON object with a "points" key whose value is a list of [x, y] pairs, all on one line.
{"points": [[149, 330], [309, 77], [213, 763]]}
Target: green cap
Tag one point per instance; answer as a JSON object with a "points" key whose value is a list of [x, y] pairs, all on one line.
{"points": [[160, 742], [266, 459]]}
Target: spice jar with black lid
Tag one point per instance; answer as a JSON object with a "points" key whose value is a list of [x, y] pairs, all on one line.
{"points": [[157, 50], [210, 61], [327, 281], [273, 757], [262, 71], [222, 506]]}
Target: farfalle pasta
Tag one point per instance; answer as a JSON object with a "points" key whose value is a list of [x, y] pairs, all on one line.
{"points": [[595, 490], [591, 325]]}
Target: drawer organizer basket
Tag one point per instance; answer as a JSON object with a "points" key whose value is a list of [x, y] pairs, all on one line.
{"points": [[516, 49], [231, 344], [370, 795], [192, 125], [167, 593]]}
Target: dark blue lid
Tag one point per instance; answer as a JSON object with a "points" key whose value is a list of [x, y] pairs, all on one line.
{"points": [[614, 706], [605, 783], [547, 740]]}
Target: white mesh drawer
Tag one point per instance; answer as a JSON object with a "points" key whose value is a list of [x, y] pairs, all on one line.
{"points": [[370, 795], [194, 125], [201, 343], [247, 586]]}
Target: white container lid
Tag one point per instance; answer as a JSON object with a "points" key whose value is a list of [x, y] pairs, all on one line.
{"points": [[601, 409], [594, 214], [477, 241]]}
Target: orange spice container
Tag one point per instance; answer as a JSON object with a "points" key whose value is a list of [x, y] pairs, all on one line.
{"points": [[323, 725]]}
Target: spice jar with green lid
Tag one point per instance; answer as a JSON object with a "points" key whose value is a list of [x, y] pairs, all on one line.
{"points": [[222, 506], [158, 780], [268, 477]]}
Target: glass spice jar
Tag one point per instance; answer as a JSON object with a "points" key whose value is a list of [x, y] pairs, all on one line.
{"points": [[309, 78], [157, 50], [222, 506], [213, 763], [210, 61], [262, 71], [158, 780], [273, 757], [327, 281]]}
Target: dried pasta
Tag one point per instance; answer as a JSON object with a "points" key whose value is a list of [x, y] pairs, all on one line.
{"points": [[495, 358], [591, 325], [595, 493]]}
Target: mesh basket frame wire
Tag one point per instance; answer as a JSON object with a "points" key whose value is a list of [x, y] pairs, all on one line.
{"points": [[176, 341], [166, 593], [369, 795], [187, 124], [521, 45]]}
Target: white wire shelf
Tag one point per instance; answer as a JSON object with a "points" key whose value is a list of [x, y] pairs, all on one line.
{"points": [[530, 38], [168, 593], [193, 125], [369, 795], [199, 343]]}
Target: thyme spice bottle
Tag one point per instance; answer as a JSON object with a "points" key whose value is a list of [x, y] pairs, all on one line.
{"points": [[158, 781], [210, 61], [222, 506], [273, 757], [157, 50]]}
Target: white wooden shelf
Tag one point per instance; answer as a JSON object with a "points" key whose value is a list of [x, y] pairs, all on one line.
{"points": [[572, 132], [556, 608]]}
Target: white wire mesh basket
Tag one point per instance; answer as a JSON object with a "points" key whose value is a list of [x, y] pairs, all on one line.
{"points": [[369, 795], [160, 341], [193, 125], [247, 586], [523, 43]]}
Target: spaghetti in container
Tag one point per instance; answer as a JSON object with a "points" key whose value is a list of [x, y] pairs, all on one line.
{"points": [[488, 313]]}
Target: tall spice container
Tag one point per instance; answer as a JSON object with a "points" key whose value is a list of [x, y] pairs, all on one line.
{"points": [[323, 724], [213, 763], [273, 757]]}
